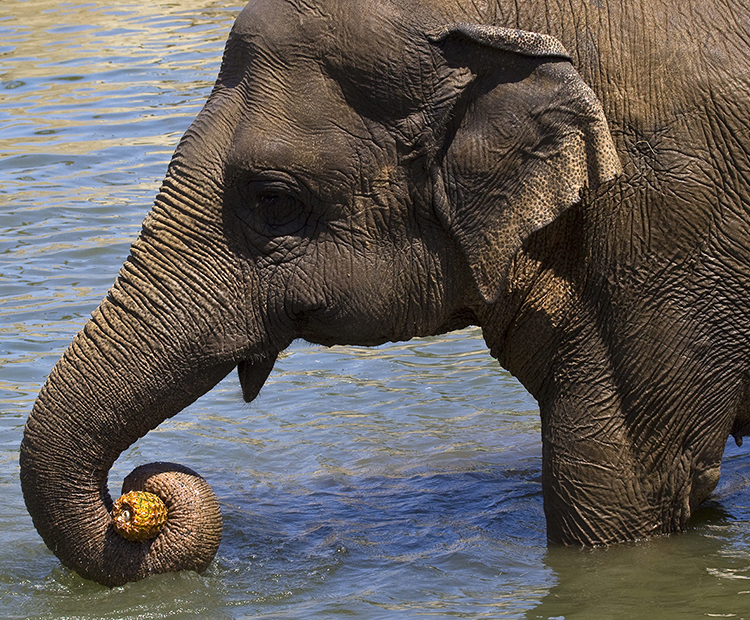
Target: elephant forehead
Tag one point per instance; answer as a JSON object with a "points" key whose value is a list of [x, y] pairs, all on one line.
{"points": [[373, 50], [296, 116], [278, 24], [318, 155], [382, 62], [316, 137]]}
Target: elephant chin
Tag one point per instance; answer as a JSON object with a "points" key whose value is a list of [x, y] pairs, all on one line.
{"points": [[253, 374]]}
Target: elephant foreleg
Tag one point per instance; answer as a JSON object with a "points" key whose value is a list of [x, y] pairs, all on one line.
{"points": [[622, 466]]}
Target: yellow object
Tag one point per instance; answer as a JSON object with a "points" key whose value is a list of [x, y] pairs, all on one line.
{"points": [[139, 515]]}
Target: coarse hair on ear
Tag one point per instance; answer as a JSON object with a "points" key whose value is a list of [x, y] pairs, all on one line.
{"points": [[526, 138]]}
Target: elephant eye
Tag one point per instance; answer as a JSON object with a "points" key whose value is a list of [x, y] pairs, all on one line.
{"points": [[277, 211], [273, 211]]}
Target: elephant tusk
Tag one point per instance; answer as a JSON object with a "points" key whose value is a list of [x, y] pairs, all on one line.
{"points": [[139, 516]]}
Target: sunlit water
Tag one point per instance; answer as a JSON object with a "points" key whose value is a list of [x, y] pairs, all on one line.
{"points": [[397, 482]]}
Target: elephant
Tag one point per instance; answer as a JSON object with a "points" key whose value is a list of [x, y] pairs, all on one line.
{"points": [[573, 179]]}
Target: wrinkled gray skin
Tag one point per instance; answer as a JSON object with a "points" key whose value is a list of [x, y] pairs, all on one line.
{"points": [[377, 170]]}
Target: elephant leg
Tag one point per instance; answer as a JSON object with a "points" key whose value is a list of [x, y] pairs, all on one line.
{"points": [[590, 491], [630, 459]]}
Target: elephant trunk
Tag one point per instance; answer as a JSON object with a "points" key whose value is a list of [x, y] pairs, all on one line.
{"points": [[149, 350]]}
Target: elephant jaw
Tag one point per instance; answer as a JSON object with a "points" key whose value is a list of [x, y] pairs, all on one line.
{"points": [[253, 375]]}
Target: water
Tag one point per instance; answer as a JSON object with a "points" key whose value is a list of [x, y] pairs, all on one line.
{"points": [[396, 482]]}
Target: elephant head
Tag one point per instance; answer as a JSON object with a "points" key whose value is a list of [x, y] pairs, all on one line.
{"points": [[355, 177]]}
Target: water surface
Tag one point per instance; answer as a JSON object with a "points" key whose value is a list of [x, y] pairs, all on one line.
{"points": [[395, 482]]}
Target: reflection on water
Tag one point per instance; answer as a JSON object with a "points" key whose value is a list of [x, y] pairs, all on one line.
{"points": [[401, 481]]}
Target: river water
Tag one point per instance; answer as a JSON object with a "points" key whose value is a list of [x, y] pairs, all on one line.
{"points": [[396, 482]]}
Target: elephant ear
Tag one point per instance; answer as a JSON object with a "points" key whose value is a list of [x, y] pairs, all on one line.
{"points": [[527, 136]]}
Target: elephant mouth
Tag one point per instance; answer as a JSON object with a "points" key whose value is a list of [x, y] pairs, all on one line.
{"points": [[253, 374]]}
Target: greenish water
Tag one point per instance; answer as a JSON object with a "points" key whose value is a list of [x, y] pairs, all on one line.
{"points": [[396, 482]]}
